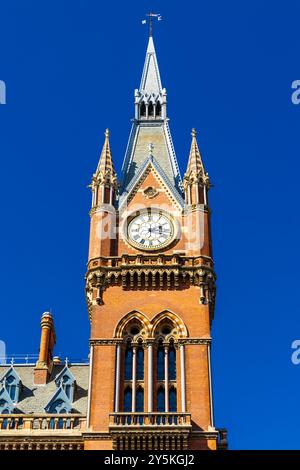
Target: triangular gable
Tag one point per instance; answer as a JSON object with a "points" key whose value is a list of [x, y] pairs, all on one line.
{"points": [[64, 372], [12, 383], [150, 163], [11, 372], [141, 136]]}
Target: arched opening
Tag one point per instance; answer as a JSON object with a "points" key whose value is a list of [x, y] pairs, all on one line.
{"points": [[68, 390], [150, 110], [172, 400], [12, 392], [160, 362], [127, 399], [128, 363], [140, 400], [161, 399], [143, 110], [158, 109], [172, 363], [140, 363]]}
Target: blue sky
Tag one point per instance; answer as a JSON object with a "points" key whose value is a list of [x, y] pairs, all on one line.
{"points": [[70, 67]]}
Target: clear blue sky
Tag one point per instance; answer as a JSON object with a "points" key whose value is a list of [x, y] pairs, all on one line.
{"points": [[71, 67]]}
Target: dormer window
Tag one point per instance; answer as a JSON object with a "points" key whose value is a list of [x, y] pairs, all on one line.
{"points": [[11, 387], [62, 400], [11, 382], [66, 380]]}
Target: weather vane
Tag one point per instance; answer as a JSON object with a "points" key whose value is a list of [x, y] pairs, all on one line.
{"points": [[150, 20]]}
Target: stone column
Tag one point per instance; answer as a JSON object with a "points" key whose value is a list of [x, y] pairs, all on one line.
{"points": [[117, 378], [182, 378], [150, 377], [134, 351], [166, 379], [210, 387]]}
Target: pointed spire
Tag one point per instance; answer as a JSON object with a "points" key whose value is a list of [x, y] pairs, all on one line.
{"points": [[105, 165], [105, 177], [195, 171], [150, 82]]}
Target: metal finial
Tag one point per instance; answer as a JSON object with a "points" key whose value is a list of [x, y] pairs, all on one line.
{"points": [[194, 132], [106, 132], [150, 25], [151, 16]]}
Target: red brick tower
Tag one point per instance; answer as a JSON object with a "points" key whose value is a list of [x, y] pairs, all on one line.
{"points": [[150, 289]]}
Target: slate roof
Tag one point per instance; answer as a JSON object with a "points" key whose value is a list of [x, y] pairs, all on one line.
{"points": [[143, 134], [34, 398]]}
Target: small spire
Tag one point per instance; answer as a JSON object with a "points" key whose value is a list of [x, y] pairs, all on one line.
{"points": [[150, 82], [195, 169], [105, 167]]}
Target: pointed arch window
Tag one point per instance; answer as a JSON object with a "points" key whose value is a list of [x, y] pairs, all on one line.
{"points": [[127, 399], [172, 363], [151, 110], [143, 110], [128, 363], [140, 363], [172, 400], [158, 109], [160, 362], [140, 400], [161, 399]]}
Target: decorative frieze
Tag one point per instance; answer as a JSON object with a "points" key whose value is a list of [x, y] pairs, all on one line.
{"points": [[150, 272], [115, 341]]}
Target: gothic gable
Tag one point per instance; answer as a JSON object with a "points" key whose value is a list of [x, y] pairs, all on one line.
{"points": [[150, 171]]}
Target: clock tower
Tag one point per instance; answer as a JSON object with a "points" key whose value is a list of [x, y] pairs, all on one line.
{"points": [[150, 289]]}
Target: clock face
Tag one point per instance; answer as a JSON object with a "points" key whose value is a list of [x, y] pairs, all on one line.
{"points": [[150, 230]]}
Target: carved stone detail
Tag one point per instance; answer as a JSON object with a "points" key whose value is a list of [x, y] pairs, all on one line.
{"points": [[151, 272], [150, 192]]}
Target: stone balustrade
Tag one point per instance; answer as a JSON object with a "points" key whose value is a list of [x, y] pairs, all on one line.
{"points": [[137, 420], [64, 422]]}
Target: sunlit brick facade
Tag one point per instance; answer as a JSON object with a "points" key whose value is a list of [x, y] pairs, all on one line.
{"points": [[150, 290]]}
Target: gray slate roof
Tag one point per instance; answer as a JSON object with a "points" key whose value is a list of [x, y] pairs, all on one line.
{"points": [[34, 398]]}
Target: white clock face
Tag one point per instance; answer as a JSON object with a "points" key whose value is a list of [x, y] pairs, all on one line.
{"points": [[150, 230]]}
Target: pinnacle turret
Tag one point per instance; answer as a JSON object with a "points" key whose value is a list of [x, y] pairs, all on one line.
{"points": [[195, 175], [105, 177]]}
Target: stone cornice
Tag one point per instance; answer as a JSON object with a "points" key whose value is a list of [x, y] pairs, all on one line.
{"points": [[179, 341], [109, 208], [204, 434], [151, 271], [94, 435]]}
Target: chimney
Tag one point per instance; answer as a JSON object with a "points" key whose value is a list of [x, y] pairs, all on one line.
{"points": [[44, 364]]}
